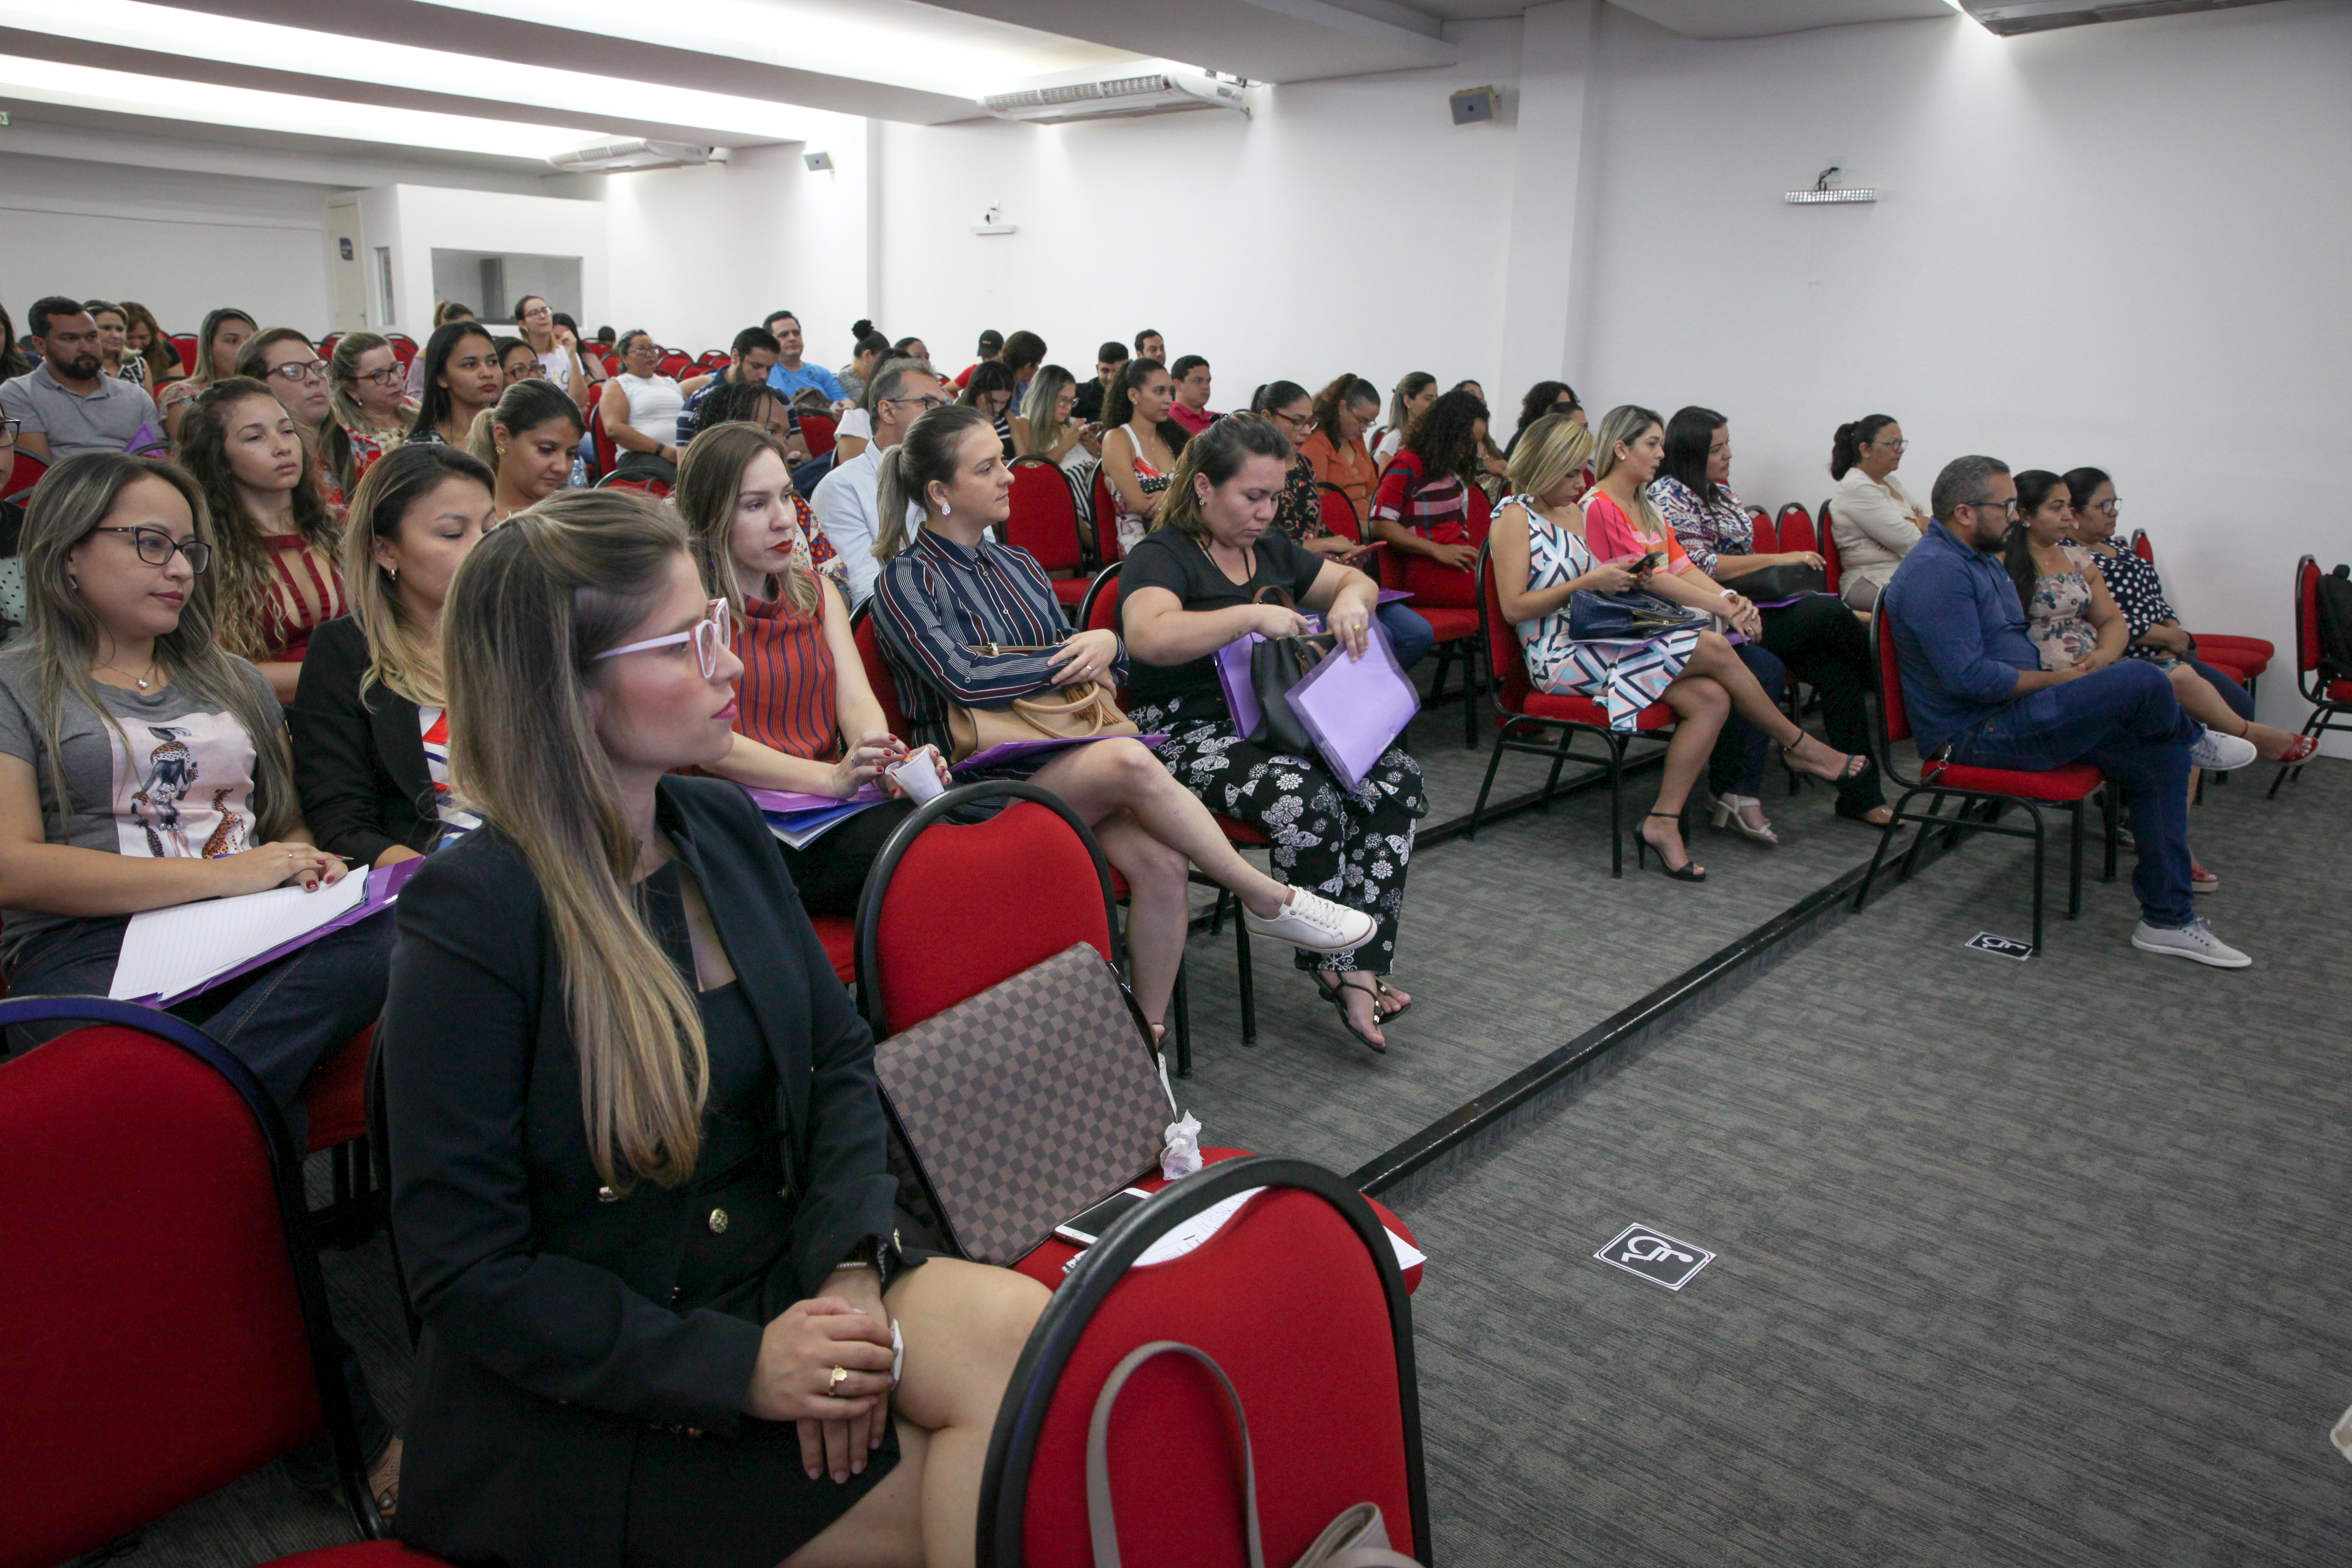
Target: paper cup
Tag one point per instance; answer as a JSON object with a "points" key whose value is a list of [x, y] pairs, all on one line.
{"points": [[919, 776]]}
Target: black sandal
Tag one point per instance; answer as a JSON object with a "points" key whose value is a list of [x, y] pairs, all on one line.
{"points": [[1386, 1010], [1338, 996], [1685, 872], [1857, 763]]}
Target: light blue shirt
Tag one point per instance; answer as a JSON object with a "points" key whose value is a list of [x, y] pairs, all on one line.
{"points": [[808, 378]]}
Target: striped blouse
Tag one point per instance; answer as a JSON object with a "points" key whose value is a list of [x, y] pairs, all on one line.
{"points": [[785, 698], [1435, 509], [306, 592], [936, 600]]}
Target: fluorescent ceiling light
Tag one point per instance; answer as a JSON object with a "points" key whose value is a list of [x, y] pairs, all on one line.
{"points": [[127, 92], [204, 35], [901, 43]]}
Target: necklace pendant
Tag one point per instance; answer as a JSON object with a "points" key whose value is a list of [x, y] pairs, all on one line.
{"points": [[142, 685]]}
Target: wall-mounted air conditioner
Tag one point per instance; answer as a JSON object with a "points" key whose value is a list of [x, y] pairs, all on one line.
{"points": [[2007, 16], [1157, 91], [607, 157]]}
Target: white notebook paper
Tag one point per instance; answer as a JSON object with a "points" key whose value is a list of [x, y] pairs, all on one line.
{"points": [[166, 951]]}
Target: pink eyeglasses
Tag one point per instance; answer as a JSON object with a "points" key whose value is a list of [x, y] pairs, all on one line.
{"points": [[708, 635]]}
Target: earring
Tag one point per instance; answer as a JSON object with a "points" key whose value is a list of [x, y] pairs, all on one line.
{"points": [[394, 571], [503, 451], [73, 582], [946, 508]]}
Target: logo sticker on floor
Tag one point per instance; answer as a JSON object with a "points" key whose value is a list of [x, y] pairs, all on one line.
{"points": [[2005, 946], [1655, 1257]]}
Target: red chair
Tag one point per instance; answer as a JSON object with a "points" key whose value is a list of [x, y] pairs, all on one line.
{"points": [[1298, 1299], [403, 347], [1339, 511], [657, 489], [155, 1351], [1766, 540], [608, 451], [1044, 523], [327, 344], [184, 346], [1825, 541], [819, 431], [2142, 546], [2244, 658], [1448, 601], [919, 952], [2330, 698], [675, 363], [1108, 544], [1521, 706], [335, 1120], [1991, 788], [23, 477], [877, 667], [1795, 526]]}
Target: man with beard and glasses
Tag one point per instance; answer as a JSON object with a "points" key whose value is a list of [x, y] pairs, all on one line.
{"points": [[68, 404], [1979, 697]]}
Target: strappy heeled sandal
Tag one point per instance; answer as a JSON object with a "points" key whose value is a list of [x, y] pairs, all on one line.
{"points": [[1685, 872], [1337, 994], [1857, 763]]}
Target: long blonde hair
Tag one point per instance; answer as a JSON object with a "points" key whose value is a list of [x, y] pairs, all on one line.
{"points": [[908, 471], [343, 372], [403, 657], [1625, 423], [1550, 449], [709, 479], [533, 605], [61, 634]]}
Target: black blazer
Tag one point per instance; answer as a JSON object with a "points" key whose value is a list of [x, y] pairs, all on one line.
{"points": [[359, 763], [548, 1339]]}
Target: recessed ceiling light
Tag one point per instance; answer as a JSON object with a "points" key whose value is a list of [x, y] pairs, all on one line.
{"points": [[128, 92]]}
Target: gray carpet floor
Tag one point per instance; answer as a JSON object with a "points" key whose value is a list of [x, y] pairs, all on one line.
{"points": [[2038, 1263]]}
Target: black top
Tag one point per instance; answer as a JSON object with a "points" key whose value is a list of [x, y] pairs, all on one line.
{"points": [[1090, 399], [358, 762], [555, 1323], [1166, 558]]}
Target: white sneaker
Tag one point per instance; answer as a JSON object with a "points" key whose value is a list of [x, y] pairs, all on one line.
{"points": [[1315, 924], [2195, 940], [2223, 753]]}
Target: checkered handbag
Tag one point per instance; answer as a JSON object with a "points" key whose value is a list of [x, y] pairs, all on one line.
{"points": [[1018, 1108]]}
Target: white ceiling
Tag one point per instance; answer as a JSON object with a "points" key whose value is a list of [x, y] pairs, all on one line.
{"points": [[504, 79]]}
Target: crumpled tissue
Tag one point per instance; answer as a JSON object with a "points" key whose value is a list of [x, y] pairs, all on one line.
{"points": [[1181, 1157]]}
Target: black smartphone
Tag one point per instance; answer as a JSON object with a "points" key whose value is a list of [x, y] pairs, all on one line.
{"points": [[1647, 564], [1084, 1227]]}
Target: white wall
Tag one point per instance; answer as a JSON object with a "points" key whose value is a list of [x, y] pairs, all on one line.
{"points": [[2121, 246], [414, 220]]}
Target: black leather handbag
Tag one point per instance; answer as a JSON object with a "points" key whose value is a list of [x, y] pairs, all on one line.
{"points": [[1635, 615], [1771, 585], [1277, 664]]}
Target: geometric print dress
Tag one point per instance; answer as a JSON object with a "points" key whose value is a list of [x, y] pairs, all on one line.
{"points": [[1625, 677]]}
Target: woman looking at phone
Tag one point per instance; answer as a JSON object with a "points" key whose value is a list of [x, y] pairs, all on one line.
{"points": [[1139, 446], [1298, 515]]}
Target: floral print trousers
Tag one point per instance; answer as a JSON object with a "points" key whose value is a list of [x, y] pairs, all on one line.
{"points": [[1351, 845]]}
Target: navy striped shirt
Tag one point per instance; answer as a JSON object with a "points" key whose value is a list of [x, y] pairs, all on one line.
{"points": [[936, 600]]}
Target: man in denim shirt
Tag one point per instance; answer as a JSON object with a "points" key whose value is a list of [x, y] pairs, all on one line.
{"points": [[1976, 690]]}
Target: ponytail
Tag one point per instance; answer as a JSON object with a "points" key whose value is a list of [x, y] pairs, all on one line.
{"points": [[905, 474]]}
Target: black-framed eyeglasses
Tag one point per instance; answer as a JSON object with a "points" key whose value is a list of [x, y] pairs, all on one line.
{"points": [[1303, 424], [299, 370], [390, 376], [8, 428], [156, 547]]}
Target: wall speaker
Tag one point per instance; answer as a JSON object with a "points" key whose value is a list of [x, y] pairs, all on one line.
{"points": [[817, 162], [1474, 104]]}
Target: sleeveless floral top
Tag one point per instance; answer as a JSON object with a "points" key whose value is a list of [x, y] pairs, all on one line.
{"points": [[2059, 618]]}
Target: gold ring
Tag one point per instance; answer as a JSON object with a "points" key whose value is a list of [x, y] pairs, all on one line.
{"points": [[834, 1381]]}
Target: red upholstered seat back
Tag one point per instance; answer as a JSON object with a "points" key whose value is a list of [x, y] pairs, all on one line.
{"points": [[404, 349], [1440, 587], [1339, 512], [1507, 659], [2307, 612], [877, 671], [818, 430], [334, 1099], [1044, 520], [155, 1347], [1766, 540], [26, 473], [1102, 606], [1796, 527], [1106, 511], [970, 906], [1827, 544], [2143, 546], [674, 363], [184, 346], [1896, 717], [1286, 1299]]}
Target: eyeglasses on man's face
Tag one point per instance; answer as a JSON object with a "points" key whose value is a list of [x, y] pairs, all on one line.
{"points": [[925, 403], [2007, 508], [156, 547], [299, 370], [708, 635]]}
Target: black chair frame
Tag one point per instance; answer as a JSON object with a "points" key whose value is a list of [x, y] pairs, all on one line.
{"points": [[1020, 1418], [1559, 754], [2326, 713], [1986, 806], [293, 1216]]}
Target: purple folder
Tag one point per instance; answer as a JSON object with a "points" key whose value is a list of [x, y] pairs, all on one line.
{"points": [[790, 802], [1006, 752], [1234, 674], [1390, 595], [1356, 708], [383, 885]]}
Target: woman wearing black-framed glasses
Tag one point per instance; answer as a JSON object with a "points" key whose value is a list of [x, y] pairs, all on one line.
{"points": [[368, 393]]}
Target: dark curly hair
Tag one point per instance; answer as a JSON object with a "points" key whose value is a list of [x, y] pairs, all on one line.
{"points": [[1445, 439]]}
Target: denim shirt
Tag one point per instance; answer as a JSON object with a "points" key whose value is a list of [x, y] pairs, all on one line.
{"points": [[1959, 630]]}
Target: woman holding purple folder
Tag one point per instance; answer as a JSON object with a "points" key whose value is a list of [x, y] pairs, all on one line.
{"points": [[1192, 587]]}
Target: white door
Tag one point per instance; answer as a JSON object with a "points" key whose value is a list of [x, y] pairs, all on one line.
{"points": [[347, 266]]}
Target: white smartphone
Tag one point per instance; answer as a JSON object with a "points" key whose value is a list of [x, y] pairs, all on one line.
{"points": [[1082, 1229]]}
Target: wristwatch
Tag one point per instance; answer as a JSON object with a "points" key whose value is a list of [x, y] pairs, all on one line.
{"points": [[881, 1254]]}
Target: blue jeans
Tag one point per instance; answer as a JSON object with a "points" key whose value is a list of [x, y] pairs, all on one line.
{"points": [[1737, 765], [2124, 722], [1409, 636]]}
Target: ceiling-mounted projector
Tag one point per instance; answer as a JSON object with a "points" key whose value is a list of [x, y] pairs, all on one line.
{"points": [[608, 157], [2008, 16], [1161, 91]]}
